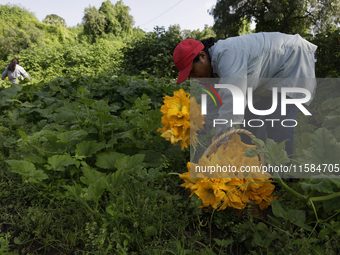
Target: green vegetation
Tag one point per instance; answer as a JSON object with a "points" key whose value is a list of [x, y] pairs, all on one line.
{"points": [[55, 20], [21, 29], [83, 169], [152, 54], [101, 58], [328, 42], [290, 17]]}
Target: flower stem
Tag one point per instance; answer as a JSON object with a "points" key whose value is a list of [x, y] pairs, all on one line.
{"points": [[295, 193], [323, 198]]}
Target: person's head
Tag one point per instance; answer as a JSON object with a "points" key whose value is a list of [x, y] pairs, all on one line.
{"points": [[192, 59], [12, 65]]}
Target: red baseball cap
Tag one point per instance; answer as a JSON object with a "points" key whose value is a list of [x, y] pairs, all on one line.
{"points": [[183, 56]]}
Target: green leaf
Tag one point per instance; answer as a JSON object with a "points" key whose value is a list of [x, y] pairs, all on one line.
{"points": [[337, 133], [223, 242], [37, 176], [258, 239], [114, 107], [95, 190], [127, 134], [87, 101], [326, 149], [262, 227], [100, 106], [332, 120], [83, 92], [105, 117], [335, 225], [22, 134], [258, 142], [331, 103], [28, 105], [91, 175], [152, 158], [11, 91], [107, 160], [323, 233], [28, 170], [320, 185], [250, 153], [305, 139], [278, 211], [110, 143], [74, 191], [17, 240], [331, 204], [110, 210], [142, 104], [87, 148], [21, 167], [68, 136], [58, 162], [318, 250], [35, 159], [313, 240], [298, 217], [275, 154], [128, 162], [115, 180], [298, 242]]}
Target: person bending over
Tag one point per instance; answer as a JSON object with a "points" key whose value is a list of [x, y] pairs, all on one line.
{"points": [[261, 62]]}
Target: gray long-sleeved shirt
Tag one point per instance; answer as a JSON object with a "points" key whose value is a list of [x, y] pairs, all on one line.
{"points": [[261, 61], [12, 76]]}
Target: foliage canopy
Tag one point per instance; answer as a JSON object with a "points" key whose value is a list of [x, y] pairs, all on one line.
{"points": [[94, 22], [109, 19], [21, 29], [152, 53], [53, 19], [289, 16], [108, 10], [197, 34]]}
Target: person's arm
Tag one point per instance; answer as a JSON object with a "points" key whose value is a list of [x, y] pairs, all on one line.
{"points": [[4, 74], [231, 65], [24, 73]]}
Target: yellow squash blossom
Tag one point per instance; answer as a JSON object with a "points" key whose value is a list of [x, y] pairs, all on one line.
{"points": [[196, 119], [177, 119], [234, 192]]}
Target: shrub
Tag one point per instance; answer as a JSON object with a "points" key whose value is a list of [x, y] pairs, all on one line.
{"points": [[152, 53]]}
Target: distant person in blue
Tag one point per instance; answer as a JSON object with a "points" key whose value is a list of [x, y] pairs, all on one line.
{"points": [[14, 71]]}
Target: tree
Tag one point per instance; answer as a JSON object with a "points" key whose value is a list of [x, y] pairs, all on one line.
{"points": [[15, 16], [15, 40], [55, 20], [152, 53], [94, 22], [112, 24], [324, 14], [108, 19], [245, 28], [123, 16], [197, 34], [290, 16], [328, 52]]}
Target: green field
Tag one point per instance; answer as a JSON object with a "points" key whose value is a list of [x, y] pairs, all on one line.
{"points": [[83, 169]]}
